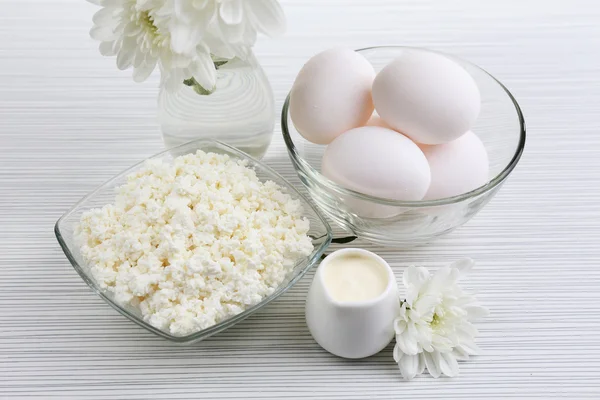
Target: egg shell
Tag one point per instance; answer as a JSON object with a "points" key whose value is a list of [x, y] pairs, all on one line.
{"points": [[378, 162], [369, 209], [376, 120], [427, 97], [332, 94], [456, 167]]}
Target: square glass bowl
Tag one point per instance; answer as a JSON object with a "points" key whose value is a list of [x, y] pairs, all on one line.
{"points": [[320, 233]]}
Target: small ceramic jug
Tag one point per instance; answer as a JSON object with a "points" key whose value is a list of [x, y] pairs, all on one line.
{"points": [[352, 329]]}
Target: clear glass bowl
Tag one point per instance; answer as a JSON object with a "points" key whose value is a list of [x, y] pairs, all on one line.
{"points": [[319, 231], [404, 224]]}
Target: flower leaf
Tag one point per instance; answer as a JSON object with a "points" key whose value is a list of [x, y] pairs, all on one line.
{"points": [[220, 63], [197, 87]]}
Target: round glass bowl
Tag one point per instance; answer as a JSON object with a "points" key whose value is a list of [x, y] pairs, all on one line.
{"points": [[404, 224]]}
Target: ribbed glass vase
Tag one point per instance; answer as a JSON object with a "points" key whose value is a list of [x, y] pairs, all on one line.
{"points": [[239, 112]]}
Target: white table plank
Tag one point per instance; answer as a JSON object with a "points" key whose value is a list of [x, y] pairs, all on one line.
{"points": [[69, 120]]}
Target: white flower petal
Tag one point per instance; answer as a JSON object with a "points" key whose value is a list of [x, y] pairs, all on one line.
{"points": [[464, 265], [104, 16], [250, 35], [431, 361], [108, 49], [442, 343], [132, 29], [138, 58], [460, 354], [181, 61], [409, 366], [408, 276], [203, 70], [183, 40], [266, 16], [422, 364], [454, 277], [413, 315], [425, 305], [142, 73], [440, 280], [411, 331], [200, 4], [469, 347], [448, 364], [111, 3], [126, 53], [216, 38], [412, 293], [219, 48], [233, 33], [425, 336], [467, 329], [209, 13], [476, 311], [415, 276], [103, 33], [399, 326], [397, 353], [124, 59], [129, 44], [465, 299], [119, 29], [171, 79], [183, 11], [407, 343], [231, 12], [117, 45]]}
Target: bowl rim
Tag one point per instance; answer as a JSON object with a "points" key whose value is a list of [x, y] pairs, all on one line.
{"points": [[200, 144], [315, 175]]}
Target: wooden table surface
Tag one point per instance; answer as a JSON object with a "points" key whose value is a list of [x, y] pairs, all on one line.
{"points": [[69, 120]]}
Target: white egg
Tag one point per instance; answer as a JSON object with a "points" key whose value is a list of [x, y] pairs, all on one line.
{"points": [[378, 162], [332, 94], [427, 96], [376, 120], [456, 167]]}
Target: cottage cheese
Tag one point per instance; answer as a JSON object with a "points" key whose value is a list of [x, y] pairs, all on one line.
{"points": [[194, 242]]}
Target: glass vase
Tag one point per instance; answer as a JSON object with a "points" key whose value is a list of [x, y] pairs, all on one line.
{"points": [[239, 112]]}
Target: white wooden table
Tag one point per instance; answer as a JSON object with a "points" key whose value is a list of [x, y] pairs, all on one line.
{"points": [[69, 120]]}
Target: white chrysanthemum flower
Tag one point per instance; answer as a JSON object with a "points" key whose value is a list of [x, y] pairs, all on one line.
{"points": [[228, 27], [434, 328], [182, 36]]}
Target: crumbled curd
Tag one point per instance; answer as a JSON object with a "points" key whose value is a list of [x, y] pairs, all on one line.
{"points": [[194, 242]]}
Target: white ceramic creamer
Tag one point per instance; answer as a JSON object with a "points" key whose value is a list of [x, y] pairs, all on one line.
{"points": [[352, 304]]}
